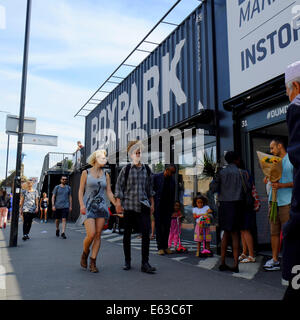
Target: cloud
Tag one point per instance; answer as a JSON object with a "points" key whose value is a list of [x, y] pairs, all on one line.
{"points": [[53, 104], [72, 43]]}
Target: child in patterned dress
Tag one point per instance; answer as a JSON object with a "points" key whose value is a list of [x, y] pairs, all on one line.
{"points": [[175, 228], [201, 213]]}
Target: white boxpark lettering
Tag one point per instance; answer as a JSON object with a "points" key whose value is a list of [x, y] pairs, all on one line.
{"points": [[296, 279], [151, 94], [129, 122], [170, 80]]}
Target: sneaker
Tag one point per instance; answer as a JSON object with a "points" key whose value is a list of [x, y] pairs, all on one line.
{"points": [[161, 252], [27, 236], [272, 265], [4, 225], [46, 221], [57, 232], [63, 236], [107, 231], [24, 237], [42, 221]]}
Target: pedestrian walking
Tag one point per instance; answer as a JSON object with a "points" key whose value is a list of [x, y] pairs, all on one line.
{"points": [[10, 207], [29, 204], [284, 196], [248, 223], [175, 229], [4, 207], [291, 230], [228, 185], [201, 214], [93, 195], [44, 202], [164, 188], [134, 193], [61, 205]]}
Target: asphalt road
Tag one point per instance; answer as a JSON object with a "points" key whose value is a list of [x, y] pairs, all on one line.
{"points": [[47, 268]]}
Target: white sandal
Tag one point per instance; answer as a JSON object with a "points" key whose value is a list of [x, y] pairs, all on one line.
{"points": [[248, 259], [242, 257]]}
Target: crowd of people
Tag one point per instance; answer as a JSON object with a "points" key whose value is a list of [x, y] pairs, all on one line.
{"points": [[146, 202]]}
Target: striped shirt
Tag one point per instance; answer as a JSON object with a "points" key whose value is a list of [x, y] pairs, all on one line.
{"points": [[139, 188]]}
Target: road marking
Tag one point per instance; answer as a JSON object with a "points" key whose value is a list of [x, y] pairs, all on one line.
{"points": [[114, 239], [179, 258], [208, 263], [104, 236], [248, 270]]}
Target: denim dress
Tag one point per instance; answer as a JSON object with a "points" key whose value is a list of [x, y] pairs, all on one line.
{"points": [[95, 198]]}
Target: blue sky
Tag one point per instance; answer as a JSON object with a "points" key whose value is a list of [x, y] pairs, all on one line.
{"points": [[74, 46]]}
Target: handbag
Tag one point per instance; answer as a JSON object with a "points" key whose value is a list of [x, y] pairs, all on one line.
{"points": [[247, 194]]}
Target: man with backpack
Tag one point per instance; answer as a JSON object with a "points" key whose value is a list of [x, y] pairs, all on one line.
{"points": [[134, 193]]}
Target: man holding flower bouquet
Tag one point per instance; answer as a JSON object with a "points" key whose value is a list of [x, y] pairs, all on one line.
{"points": [[283, 190]]}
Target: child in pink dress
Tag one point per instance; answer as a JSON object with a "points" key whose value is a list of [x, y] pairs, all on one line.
{"points": [[175, 228], [201, 213]]}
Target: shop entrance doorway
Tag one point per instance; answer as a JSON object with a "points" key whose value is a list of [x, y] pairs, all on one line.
{"points": [[260, 141]]}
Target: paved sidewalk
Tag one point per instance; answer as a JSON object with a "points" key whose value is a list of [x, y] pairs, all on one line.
{"points": [[47, 268]]}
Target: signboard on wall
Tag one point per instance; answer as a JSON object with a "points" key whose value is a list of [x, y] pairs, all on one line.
{"points": [[263, 38], [12, 125], [40, 139]]}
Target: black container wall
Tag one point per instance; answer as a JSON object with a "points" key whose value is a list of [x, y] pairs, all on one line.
{"points": [[171, 85], [222, 85], [74, 183]]}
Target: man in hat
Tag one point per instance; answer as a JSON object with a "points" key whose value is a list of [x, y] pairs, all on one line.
{"points": [[291, 230]]}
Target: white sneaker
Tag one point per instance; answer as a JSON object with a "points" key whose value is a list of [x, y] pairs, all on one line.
{"points": [[272, 265], [107, 231]]}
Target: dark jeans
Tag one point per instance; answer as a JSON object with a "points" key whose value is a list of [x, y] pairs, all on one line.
{"points": [[28, 216], [141, 220], [162, 227]]}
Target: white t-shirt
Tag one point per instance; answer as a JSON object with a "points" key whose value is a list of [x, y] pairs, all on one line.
{"points": [[201, 211]]}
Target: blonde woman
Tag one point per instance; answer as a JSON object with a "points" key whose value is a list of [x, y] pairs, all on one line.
{"points": [[93, 193], [29, 204]]}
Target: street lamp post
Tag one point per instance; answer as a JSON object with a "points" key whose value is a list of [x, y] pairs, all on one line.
{"points": [[17, 182]]}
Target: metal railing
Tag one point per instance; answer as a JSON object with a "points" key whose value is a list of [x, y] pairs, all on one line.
{"points": [[55, 161]]}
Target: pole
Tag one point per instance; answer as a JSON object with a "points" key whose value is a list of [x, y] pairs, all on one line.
{"points": [[7, 153], [17, 185]]}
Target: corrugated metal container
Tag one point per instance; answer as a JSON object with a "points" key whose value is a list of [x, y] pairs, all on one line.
{"points": [[171, 85]]}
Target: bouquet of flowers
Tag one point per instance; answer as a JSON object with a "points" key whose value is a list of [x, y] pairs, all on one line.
{"points": [[272, 169]]}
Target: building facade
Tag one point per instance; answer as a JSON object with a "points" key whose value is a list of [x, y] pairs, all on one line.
{"points": [[214, 84]]}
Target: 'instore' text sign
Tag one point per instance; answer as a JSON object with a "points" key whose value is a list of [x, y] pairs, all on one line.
{"points": [[263, 38]]}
